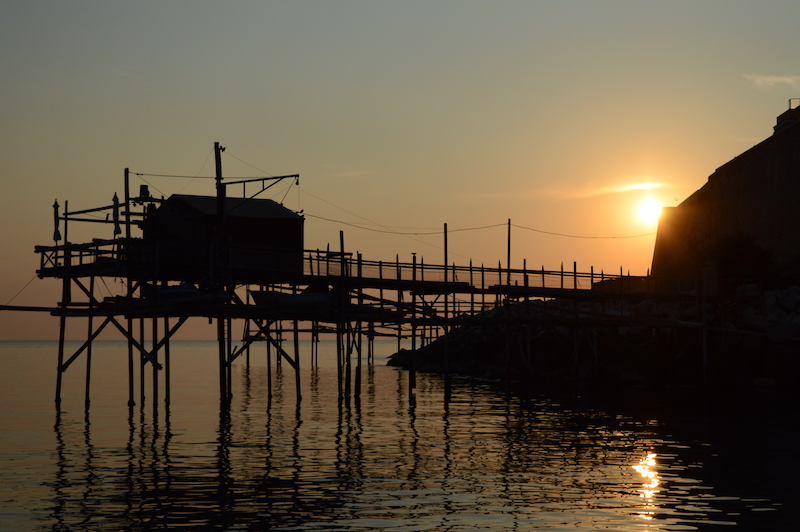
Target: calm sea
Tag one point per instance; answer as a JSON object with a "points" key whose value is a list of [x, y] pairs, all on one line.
{"points": [[644, 460]]}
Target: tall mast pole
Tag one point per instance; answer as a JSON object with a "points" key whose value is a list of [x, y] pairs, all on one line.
{"points": [[219, 255], [218, 276]]}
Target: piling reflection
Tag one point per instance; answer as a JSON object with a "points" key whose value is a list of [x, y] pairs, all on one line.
{"points": [[482, 462]]}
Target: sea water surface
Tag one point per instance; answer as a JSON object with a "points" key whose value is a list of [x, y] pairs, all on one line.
{"points": [[490, 459]]}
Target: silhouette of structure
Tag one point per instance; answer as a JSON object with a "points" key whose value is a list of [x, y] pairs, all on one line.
{"points": [[241, 262], [743, 223]]}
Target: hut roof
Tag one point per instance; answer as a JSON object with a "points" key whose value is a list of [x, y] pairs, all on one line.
{"points": [[240, 207]]}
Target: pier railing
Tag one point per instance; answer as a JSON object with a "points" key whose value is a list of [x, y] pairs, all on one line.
{"points": [[94, 257]]}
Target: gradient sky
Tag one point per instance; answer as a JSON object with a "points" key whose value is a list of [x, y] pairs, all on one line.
{"points": [[562, 116]]}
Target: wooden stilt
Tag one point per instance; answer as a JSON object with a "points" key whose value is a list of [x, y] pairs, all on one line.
{"points": [[87, 399], [167, 375], [142, 361], [59, 371], [269, 370], [131, 401], [447, 391], [223, 363], [154, 363], [298, 391]]}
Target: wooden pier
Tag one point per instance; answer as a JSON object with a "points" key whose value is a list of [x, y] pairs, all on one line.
{"points": [[240, 263]]}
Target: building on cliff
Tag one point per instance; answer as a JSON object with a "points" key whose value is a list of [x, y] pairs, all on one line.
{"points": [[744, 223]]}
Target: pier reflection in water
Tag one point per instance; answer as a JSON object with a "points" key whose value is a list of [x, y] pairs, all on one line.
{"points": [[487, 461]]}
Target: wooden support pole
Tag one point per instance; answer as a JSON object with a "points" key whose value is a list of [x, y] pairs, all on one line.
{"points": [[472, 292], [483, 287], [61, 337], [399, 277], [167, 375], [296, 340], [413, 304], [87, 400], [269, 368], [359, 273], [131, 401], [575, 275], [340, 323], [412, 374], [446, 326], [525, 276], [229, 359], [223, 364], [154, 363], [340, 357], [66, 299], [142, 361], [508, 255]]}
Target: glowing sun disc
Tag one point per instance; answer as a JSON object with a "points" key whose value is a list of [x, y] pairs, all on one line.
{"points": [[649, 211]]}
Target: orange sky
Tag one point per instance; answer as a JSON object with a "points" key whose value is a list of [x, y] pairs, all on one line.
{"points": [[561, 116]]}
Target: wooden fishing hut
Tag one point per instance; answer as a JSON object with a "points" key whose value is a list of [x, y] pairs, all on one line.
{"points": [[260, 242], [192, 254]]}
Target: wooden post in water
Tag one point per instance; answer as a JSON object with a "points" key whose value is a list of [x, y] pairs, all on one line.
{"points": [[131, 402], [223, 379], [341, 321], [269, 366], [228, 359], [412, 374], [447, 390], [154, 363], [296, 340], [129, 290], [90, 320], [339, 358], [167, 375], [359, 273], [66, 298], [142, 361]]}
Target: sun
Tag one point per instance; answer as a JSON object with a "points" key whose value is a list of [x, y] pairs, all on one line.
{"points": [[649, 211]]}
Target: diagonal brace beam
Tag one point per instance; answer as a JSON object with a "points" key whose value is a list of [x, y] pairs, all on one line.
{"points": [[276, 344], [86, 344]]}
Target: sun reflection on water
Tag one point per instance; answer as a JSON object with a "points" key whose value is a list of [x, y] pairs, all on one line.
{"points": [[649, 489]]}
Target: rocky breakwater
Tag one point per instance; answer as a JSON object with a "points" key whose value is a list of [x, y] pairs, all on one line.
{"points": [[677, 338]]}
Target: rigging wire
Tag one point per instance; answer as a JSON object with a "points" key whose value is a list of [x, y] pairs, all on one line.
{"points": [[288, 189], [577, 236], [229, 154], [439, 232], [385, 229], [21, 289], [402, 233], [198, 172], [150, 184]]}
